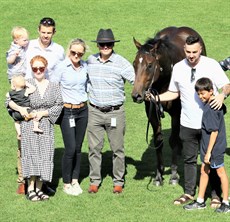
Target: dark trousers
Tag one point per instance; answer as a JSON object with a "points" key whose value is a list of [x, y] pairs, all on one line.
{"points": [[191, 144], [73, 138]]}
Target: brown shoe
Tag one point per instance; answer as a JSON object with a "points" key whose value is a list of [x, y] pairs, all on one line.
{"points": [[117, 189], [93, 189], [21, 189]]}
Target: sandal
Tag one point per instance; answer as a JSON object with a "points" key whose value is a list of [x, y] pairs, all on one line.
{"points": [[32, 196], [215, 202], [42, 196], [183, 199]]}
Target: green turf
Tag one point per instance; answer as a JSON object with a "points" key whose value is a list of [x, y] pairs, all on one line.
{"points": [[140, 201]]}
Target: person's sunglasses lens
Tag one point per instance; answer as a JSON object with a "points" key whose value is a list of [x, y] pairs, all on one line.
{"points": [[47, 22], [108, 44], [35, 69], [79, 54]]}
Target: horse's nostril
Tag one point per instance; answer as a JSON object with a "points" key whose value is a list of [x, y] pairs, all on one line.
{"points": [[137, 98]]}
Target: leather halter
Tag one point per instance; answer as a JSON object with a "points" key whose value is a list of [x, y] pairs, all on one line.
{"points": [[154, 94]]}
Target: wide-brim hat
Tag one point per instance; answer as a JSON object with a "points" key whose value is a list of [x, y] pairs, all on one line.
{"points": [[105, 35]]}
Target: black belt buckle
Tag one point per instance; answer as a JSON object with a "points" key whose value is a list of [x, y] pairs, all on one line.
{"points": [[107, 109]]}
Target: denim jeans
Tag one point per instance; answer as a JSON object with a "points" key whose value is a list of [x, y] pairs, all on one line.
{"points": [[73, 138]]}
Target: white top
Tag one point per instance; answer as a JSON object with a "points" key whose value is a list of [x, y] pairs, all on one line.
{"points": [[19, 65], [54, 54], [192, 106]]}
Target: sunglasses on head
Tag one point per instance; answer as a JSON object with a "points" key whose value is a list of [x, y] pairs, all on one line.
{"points": [[193, 72], [47, 21], [41, 69], [108, 44], [79, 54]]}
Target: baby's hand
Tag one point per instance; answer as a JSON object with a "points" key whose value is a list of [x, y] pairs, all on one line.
{"points": [[17, 52], [23, 111]]}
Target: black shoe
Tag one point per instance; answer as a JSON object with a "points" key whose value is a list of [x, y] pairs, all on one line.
{"points": [[224, 208], [195, 206], [48, 190]]}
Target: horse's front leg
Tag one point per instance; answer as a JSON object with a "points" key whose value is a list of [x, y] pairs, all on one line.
{"points": [[158, 145], [176, 146], [156, 142]]}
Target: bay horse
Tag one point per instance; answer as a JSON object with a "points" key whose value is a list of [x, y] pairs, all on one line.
{"points": [[153, 67]]}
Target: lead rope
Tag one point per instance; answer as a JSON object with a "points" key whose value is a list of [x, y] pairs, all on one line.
{"points": [[159, 110], [160, 114]]}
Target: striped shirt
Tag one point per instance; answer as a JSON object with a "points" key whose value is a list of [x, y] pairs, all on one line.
{"points": [[107, 79]]}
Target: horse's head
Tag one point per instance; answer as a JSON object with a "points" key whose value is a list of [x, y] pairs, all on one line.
{"points": [[147, 69]]}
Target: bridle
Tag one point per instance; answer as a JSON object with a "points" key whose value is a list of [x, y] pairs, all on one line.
{"points": [[154, 99]]}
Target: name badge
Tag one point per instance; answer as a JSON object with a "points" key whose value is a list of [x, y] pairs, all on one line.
{"points": [[113, 122], [72, 122]]}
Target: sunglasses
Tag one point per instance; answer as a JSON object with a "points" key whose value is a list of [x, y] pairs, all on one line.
{"points": [[41, 69], [79, 54], [108, 44], [47, 21], [193, 72]]}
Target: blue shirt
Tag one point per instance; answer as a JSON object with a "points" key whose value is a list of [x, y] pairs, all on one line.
{"points": [[107, 79], [73, 81]]}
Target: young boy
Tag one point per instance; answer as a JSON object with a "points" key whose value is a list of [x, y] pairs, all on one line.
{"points": [[213, 145], [19, 94], [16, 55]]}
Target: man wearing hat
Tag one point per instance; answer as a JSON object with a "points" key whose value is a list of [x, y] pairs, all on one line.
{"points": [[107, 74]]}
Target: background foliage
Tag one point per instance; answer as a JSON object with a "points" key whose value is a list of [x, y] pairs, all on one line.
{"points": [[141, 201]]}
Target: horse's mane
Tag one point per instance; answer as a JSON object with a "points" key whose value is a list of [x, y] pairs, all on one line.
{"points": [[163, 46]]}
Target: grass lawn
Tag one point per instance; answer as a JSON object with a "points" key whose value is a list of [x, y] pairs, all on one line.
{"points": [[140, 201]]}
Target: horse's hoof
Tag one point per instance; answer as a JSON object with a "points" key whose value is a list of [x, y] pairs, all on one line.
{"points": [[174, 182], [158, 183]]}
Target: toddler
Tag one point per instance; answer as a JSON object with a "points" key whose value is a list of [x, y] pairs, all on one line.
{"points": [[20, 95], [16, 55]]}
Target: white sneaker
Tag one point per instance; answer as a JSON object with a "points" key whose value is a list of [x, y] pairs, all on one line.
{"points": [[70, 191], [76, 187]]}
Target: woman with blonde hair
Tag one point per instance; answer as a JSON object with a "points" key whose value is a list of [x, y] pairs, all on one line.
{"points": [[72, 76]]}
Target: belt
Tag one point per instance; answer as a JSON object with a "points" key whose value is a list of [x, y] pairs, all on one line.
{"points": [[107, 108], [74, 106]]}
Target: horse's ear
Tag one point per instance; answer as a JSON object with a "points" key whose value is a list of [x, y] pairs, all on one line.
{"points": [[158, 43], [137, 44], [155, 47]]}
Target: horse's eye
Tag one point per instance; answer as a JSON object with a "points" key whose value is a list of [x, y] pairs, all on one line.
{"points": [[150, 66]]}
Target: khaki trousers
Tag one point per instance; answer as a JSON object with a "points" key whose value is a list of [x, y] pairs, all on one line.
{"points": [[20, 178], [99, 123]]}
